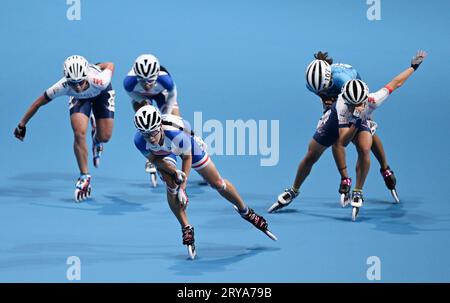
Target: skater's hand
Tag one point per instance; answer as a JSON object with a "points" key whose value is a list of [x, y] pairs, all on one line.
{"points": [[180, 177], [183, 198], [20, 132], [358, 110], [418, 59]]}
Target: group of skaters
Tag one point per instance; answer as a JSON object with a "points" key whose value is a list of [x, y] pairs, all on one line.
{"points": [[163, 137]]}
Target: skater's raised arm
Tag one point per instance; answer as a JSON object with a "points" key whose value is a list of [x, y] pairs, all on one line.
{"points": [[20, 130], [403, 76], [378, 97]]}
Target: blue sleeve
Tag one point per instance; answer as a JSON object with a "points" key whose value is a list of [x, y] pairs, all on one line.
{"points": [[140, 144], [129, 83], [166, 81]]}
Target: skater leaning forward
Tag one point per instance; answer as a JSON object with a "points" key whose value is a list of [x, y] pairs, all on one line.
{"points": [[163, 138], [348, 120], [91, 98], [354, 109], [326, 79], [150, 83]]}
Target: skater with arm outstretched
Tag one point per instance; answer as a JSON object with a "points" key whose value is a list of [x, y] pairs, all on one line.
{"points": [[326, 80], [90, 91], [327, 134], [354, 108]]}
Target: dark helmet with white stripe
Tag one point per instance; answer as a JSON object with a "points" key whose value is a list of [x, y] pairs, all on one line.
{"points": [[76, 68], [318, 75], [146, 67], [147, 119], [355, 92]]}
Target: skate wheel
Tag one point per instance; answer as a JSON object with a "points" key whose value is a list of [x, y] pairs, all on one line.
{"points": [[191, 252], [270, 235], [355, 211], [345, 200], [153, 179], [395, 195], [77, 195]]}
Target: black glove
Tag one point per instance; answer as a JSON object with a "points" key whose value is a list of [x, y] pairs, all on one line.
{"points": [[20, 132], [323, 56], [418, 59]]}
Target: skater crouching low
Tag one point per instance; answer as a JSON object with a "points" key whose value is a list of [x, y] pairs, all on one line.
{"points": [[161, 139]]}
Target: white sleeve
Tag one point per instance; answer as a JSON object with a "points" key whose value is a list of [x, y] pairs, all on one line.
{"points": [[60, 88], [103, 79], [377, 98], [171, 100]]}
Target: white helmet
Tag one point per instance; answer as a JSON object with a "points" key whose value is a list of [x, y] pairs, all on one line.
{"points": [[318, 75], [147, 119], [76, 68], [355, 92], [146, 67]]}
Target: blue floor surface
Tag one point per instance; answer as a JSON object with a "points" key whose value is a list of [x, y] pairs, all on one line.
{"points": [[230, 60]]}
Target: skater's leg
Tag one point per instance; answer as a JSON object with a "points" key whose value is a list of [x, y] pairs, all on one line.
{"points": [[315, 150], [386, 172], [103, 107], [172, 189], [225, 188], [363, 145], [346, 181], [378, 151], [103, 110], [79, 122], [340, 162], [104, 130], [177, 209]]}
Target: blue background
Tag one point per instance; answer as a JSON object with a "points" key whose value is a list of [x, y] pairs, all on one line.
{"points": [[233, 60]]}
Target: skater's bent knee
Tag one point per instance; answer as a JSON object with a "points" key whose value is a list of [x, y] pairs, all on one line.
{"points": [[364, 150], [310, 159], [104, 137], [219, 184], [80, 135]]}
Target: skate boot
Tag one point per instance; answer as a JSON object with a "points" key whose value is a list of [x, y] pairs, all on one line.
{"points": [[188, 239], [284, 199], [83, 188], [356, 202], [390, 181], [258, 221], [344, 190], [151, 169], [97, 147]]}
